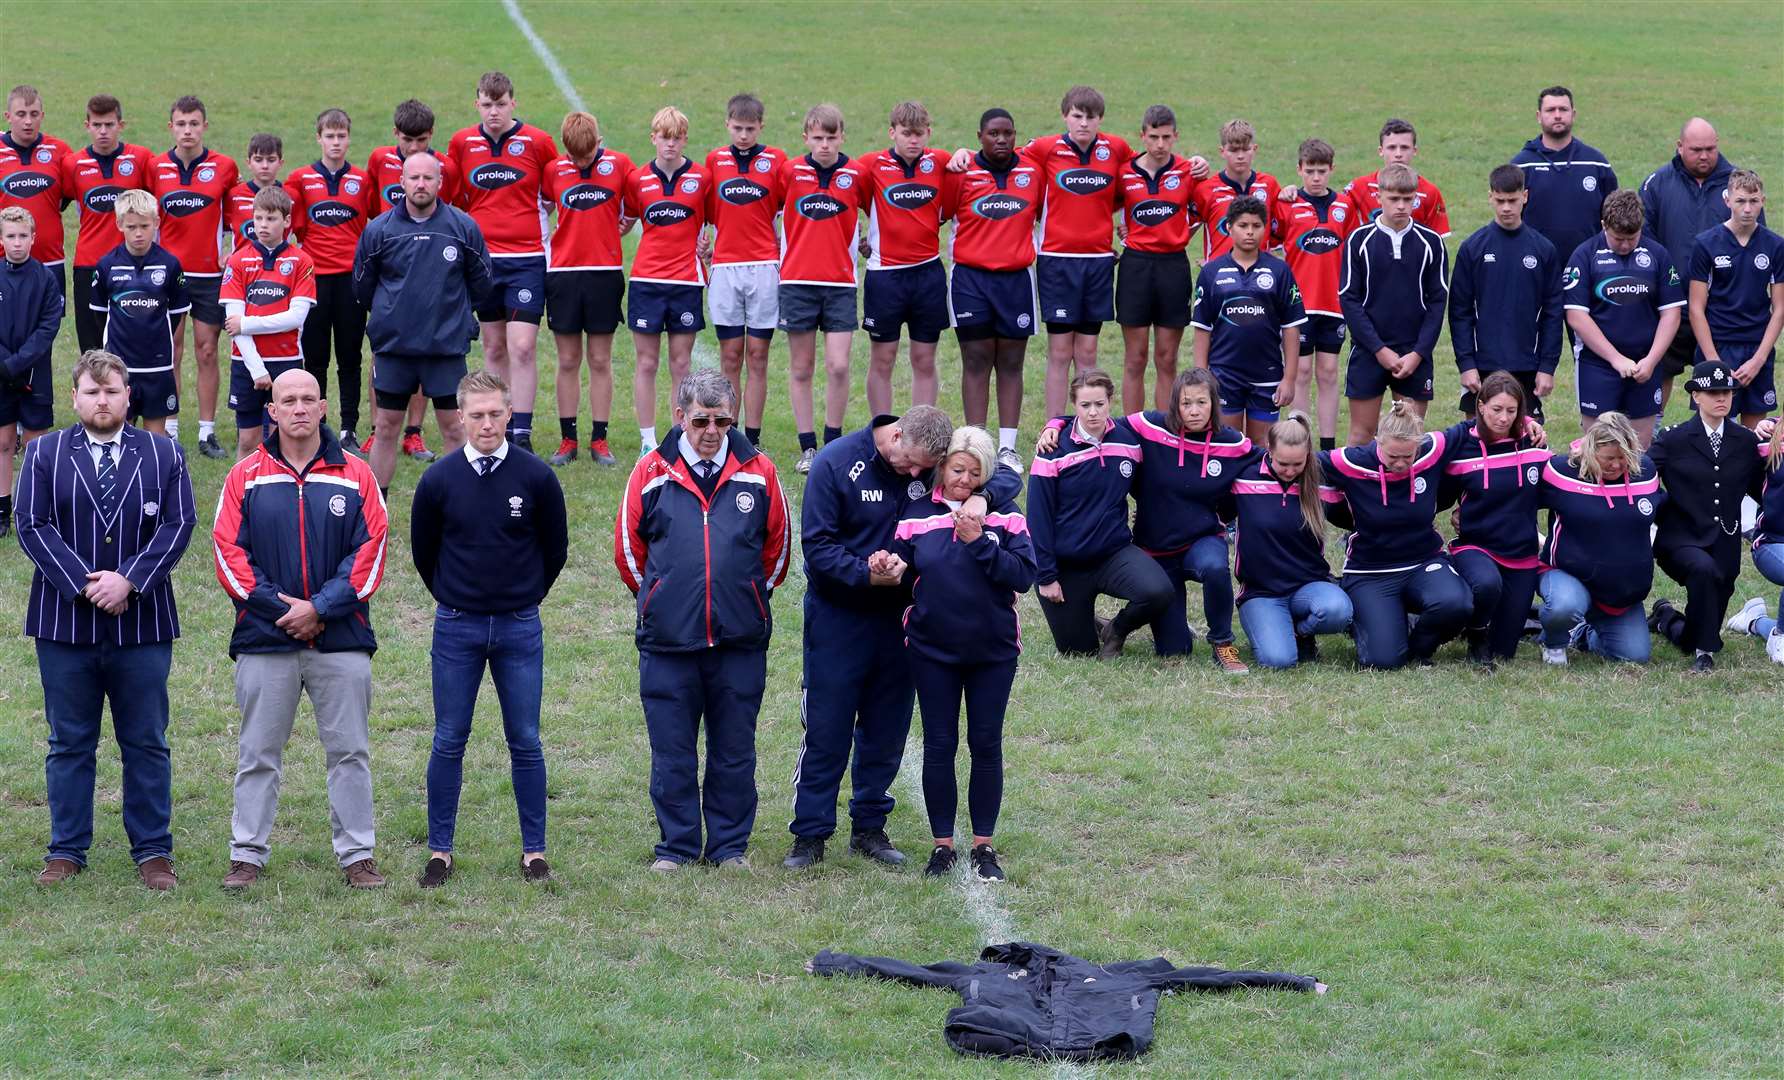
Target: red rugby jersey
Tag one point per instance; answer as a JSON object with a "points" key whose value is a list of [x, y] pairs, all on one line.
{"points": [[588, 205], [1215, 193], [94, 181], [1427, 203], [904, 208], [743, 204], [818, 209], [1312, 234], [31, 177], [385, 167], [500, 186], [1077, 215], [1159, 210], [994, 214], [328, 212], [238, 214], [192, 198], [671, 211], [266, 282]]}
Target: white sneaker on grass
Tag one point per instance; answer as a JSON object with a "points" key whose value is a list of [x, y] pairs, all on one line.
{"points": [[1008, 456], [1557, 657], [1774, 646], [1741, 622]]}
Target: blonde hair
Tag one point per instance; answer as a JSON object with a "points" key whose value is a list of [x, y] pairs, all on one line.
{"points": [[1401, 424], [1293, 430], [1237, 133], [18, 215], [975, 441], [910, 115], [1746, 180], [826, 118], [1397, 179], [1612, 429], [135, 201], [669, 122]]}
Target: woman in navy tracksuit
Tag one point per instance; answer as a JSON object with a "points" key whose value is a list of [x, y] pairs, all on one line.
{"points": [[1598, 558], [1394, 563], [962, 639], [1495, 471], [1288, 595], [1077, 513]]}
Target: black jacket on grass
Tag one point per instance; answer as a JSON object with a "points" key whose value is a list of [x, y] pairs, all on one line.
{"points": [[1026, 1000]]}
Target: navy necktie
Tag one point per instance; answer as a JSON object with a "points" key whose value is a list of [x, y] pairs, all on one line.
{"points": [[108, 479], [706, 468], [485, 464]]}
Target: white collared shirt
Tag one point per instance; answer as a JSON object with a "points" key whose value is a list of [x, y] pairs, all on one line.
{"points": [[1708, 430], [1396, 236], [691, 455], [96, 446], [473, 455]]}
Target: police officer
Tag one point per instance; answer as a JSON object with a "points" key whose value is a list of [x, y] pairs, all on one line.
{"points": [[1707, 464]]}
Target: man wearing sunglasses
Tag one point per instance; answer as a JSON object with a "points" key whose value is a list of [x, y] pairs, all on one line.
{"points": [[702, 540]]}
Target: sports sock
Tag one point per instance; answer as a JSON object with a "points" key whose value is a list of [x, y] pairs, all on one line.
{"points": [[648, 435], [1328, 443], [206, 428], [754, 435], [5, 505], [807, 441], [411, 430], [523, 423], [597, 430], [1006, 438], [567, 427], [831, 433], [173, 427]]}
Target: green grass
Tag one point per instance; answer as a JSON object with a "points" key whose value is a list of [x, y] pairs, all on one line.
{"points": [[1550, 873]]}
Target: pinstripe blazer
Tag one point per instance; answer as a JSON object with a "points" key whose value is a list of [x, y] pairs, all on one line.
{"points": [[63, 532]]}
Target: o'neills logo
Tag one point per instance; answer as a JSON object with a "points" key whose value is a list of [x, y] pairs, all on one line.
{"points": [[1319, 242], [1153, 212], [262, 293], [1084, 181], [100, 199], [23, 185], [329, 212], [741, 191], [1243, 312], [819, 206], [667, 212], [495, 175], [584, 197], [910, 196], [184, 203], [999, 206]]}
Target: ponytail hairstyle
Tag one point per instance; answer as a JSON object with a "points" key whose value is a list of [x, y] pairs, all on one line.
{"points": [[1193, 376], [1777, 447], [1612, 429], [1293, 430], [1401, 424], [1503, 382]]}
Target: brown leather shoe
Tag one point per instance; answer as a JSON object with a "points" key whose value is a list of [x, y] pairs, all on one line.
{"points": [[364, 875], [56, 871], [157, 874], [241, 874]]}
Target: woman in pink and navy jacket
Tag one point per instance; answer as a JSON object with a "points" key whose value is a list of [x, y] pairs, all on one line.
{"points": [[962, 638], [1494, 472], [1287, 593], [1077, 513], [1768, 547], [1598, 559], [1394, 563]]}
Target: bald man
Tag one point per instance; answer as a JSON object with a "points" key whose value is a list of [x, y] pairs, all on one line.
{"points": [[299, 541], [1680, 200], [422, 268]]}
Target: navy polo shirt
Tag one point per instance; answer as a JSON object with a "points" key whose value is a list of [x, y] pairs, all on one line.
{"points": [[1243, 312], [1740, 280]]}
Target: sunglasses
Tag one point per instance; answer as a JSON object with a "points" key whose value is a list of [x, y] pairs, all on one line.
{"points": [[723, 423]]}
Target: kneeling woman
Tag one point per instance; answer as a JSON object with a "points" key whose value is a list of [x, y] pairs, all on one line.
{"points": [[1077, 507], [1288, 595], [962, 639], [1394, 564], [1601, 499]]}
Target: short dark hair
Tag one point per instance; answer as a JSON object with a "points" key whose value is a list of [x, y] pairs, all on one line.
{"points": [[1085, 99], [1553, 91], [104, 105], [266, 144], [1247, 204], [333, 118], [413, 119], [1158, 116], [745, 107], [1505, 180], [1316, 152], [188, 103], [995, 113], [1397, 126], [1622, 212], [495, 86]]}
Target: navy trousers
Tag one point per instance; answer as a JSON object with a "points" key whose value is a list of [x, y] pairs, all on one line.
{"points": [[857, 697], [1431, 593], [723, 687], [1501, 599]]}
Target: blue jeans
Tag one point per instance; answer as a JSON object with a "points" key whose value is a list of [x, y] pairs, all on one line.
{"points": [[513, 647], [1204, 561], [1271, 622], [77, 682], [1566, 604], [1768, 559]]}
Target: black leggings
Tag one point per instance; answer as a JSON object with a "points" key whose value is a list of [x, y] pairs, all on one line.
{"points": [[337, 319], [1502, 598], [986, 688], [1130, 574]]}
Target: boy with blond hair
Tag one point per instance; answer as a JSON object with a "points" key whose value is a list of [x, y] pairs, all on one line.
{"points": [[140, 287]]}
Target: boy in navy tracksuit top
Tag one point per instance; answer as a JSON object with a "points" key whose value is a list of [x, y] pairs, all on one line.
{"points": [[1396, 282], [1394, 563], [1505, 299], [1737, 296], [30, 316], [857, 684], [141, 289], [962, 635], [702, 539], [1598, 559]]}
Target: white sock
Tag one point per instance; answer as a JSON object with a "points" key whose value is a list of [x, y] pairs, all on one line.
{"points": [[173, 427], [206, 428], [1006, 438], [648, 435], [1703, 652]]}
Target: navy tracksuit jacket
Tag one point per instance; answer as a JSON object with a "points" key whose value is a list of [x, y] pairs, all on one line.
{"points": [[1567, 189], [963, 596], [1599, 533], [1077, 499], [1505, 301], [1275, 553]]}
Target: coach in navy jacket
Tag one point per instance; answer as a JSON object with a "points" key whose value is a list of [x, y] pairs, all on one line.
{"points": [[105, 513], [421, 279], [702, 540], [1567, 179]]}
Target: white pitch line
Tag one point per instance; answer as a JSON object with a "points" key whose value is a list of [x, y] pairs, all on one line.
{"points": [[546, 56]]}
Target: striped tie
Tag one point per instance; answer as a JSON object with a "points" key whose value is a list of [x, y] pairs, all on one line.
{"points": [[108, 479]]}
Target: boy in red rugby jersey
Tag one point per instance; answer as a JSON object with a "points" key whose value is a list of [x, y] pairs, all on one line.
{"points": [[266, 159], [1153, 282], [92, 178], [1235, 180], [1310, 226], [268, 290], [31, 173], [1399, 146]]}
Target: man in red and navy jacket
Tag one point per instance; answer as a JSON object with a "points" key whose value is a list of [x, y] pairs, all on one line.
{"points": [[702, 539], [299, 541]]}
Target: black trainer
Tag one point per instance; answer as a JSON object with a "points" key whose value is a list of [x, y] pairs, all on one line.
{"points": [[941, 861], [436, 873], [5, 525], [1480, 653], [1306, 648], [522, 441], [985, 863], [209, 447], [876, 845], [807, 851]]}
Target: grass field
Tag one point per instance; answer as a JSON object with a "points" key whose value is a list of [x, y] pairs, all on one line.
{"points": [[1571, 873]]}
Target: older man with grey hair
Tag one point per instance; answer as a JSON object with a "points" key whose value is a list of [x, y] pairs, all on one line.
{"points": [[702, 539]]}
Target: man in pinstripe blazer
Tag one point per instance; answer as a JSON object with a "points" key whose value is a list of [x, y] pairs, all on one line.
{"points": [[105, 513]]}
